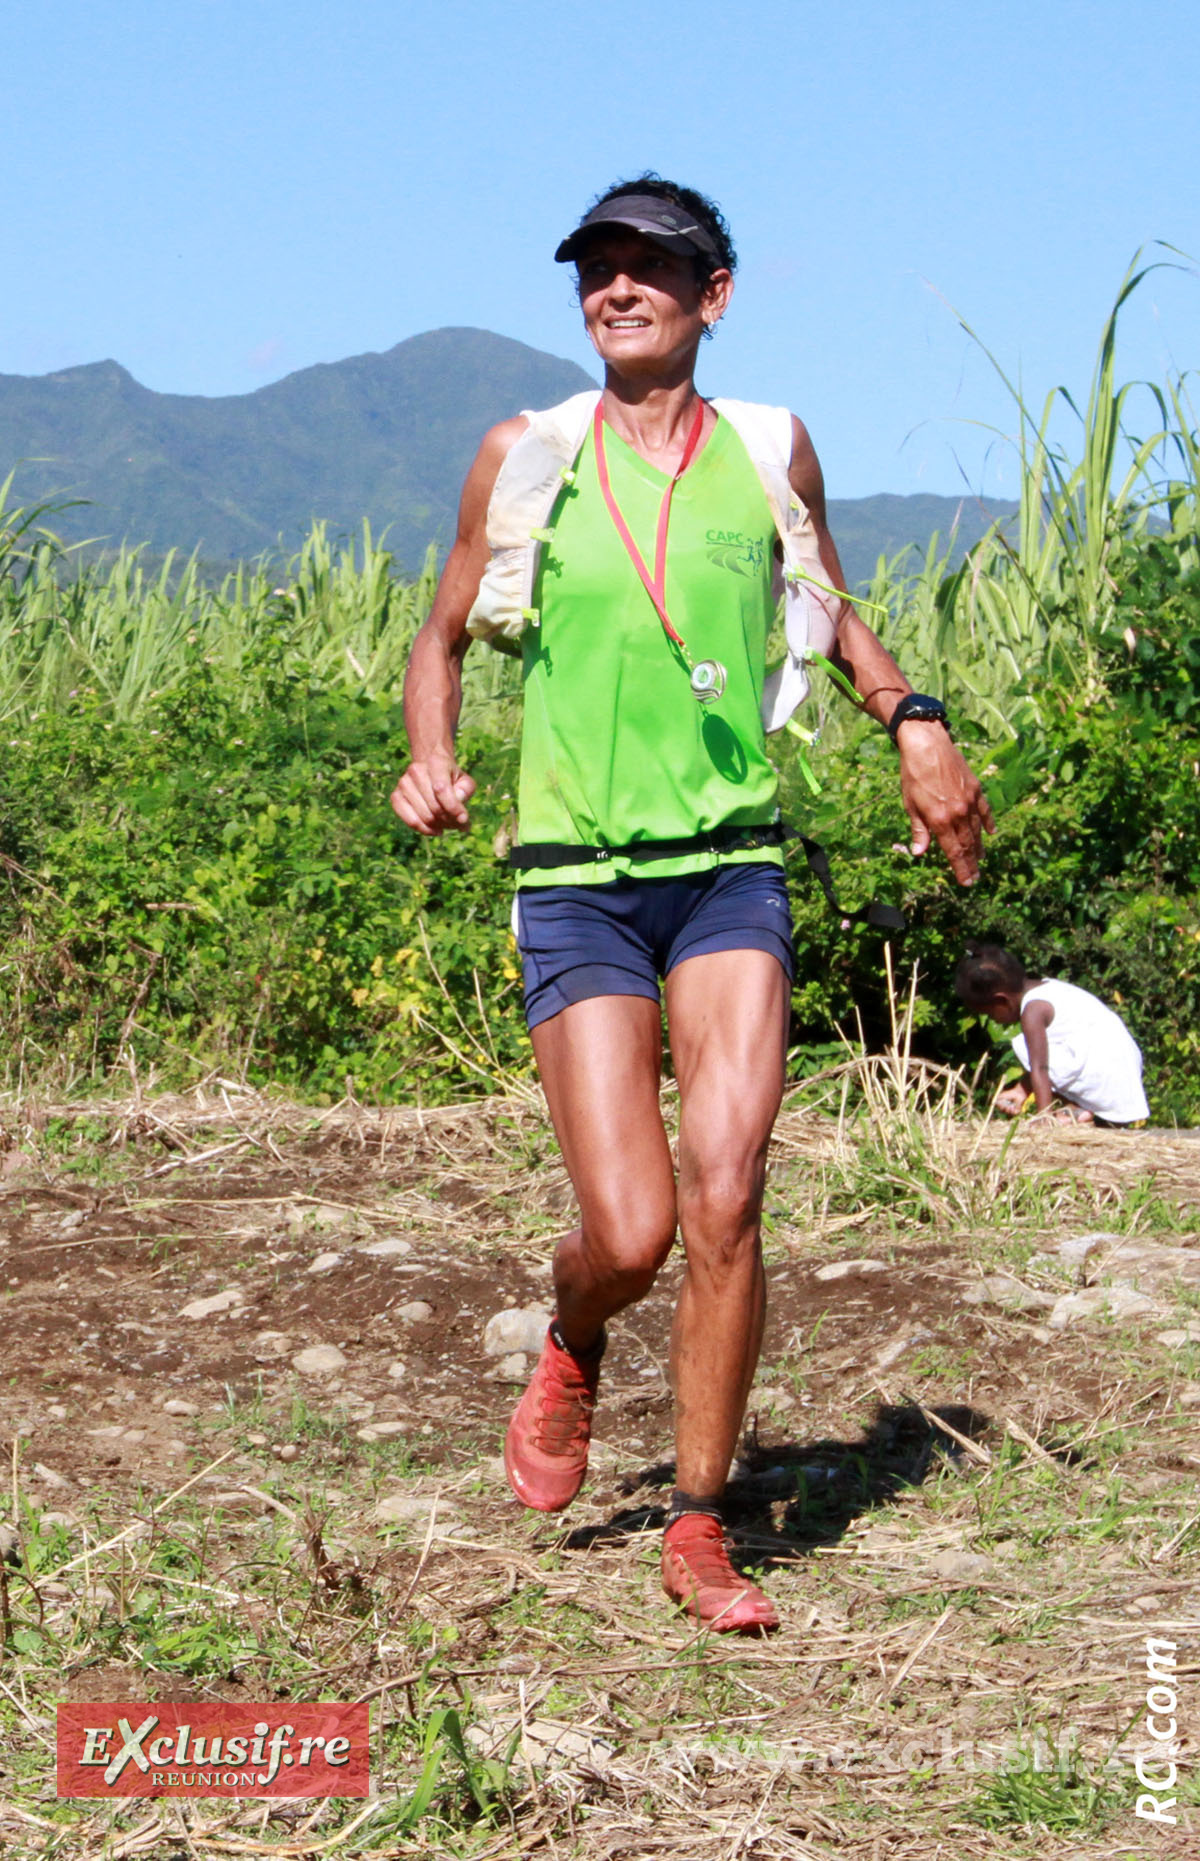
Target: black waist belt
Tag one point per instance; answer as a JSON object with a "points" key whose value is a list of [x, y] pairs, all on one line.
{"points": [[545, 855]]}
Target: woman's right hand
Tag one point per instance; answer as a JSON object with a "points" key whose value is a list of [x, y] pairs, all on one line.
{"points": [[431, 796]]}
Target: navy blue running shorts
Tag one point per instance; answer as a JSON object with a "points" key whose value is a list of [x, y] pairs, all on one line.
{"points": [[577, 941]]}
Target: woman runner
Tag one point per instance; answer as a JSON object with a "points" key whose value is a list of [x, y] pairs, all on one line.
{"points": [[647, 811]]}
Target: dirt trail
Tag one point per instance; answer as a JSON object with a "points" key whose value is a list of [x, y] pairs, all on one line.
{"points": [[170, 1267]]}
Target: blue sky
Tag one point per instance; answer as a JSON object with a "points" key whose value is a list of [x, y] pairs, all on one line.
{"points": [[216, 194]]}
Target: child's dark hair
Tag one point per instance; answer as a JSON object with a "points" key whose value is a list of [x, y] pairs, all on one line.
{"points": [[705, 211], [985, 972]]}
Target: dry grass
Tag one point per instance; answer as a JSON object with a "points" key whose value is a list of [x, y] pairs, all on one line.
{"points": [[969, 1548]]}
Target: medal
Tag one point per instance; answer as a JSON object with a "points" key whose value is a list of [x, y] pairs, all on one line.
{"points": [[708, 680]]}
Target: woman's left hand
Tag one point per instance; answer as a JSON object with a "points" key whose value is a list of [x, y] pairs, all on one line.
{"points": [[943, 797]]}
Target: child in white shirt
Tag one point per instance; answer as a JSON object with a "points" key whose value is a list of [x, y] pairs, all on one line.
{"points": [[1071, 1045]]}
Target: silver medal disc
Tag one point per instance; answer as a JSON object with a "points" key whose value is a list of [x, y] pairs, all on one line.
{"points": [[708, 680]]}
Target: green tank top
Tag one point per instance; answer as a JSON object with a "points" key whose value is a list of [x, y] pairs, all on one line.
{"points": [[614, 746]]}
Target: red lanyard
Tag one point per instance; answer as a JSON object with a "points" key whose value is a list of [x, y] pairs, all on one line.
{"points": [[656, 585]]}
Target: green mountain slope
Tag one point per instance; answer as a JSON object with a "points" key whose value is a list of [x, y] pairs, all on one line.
{"points": [[387, 437]]}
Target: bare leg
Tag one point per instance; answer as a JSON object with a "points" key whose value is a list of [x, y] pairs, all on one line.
{"points": [[728, 1018], [600, 1064]]}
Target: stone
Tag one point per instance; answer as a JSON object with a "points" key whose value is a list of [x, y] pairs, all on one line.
{"points": [[288, 1452], [841, 1269], [396, 1371], [512, 1369], [49, 1477], [888, 1354], [58, 1521], [70, 1222], [10, 1545], [1175, 1340], [1152, 1266], [961, 1567], [516, 1328], [216, 1302], [387, 1250], [543, 1742], [319, 1360], [1076, 1248], [416, 1312], [270, 1346], [413, 1509], [175, 1405], [382, 1431], [323, 1262], [549, 1743], [1115, 1301], [320, 1215], [1013, 1294], [57, 1411]]}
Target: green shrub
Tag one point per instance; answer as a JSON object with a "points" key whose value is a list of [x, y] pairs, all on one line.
{"points": [[228, 889], [1093, 873]]}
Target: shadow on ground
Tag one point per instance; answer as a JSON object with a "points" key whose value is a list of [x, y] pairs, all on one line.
{"points": [[784, 1501]]}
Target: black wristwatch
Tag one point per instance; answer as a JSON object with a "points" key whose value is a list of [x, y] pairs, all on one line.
{"points": [[920, 705]]}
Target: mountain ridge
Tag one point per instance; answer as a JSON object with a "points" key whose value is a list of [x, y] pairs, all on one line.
{"points": [[385, 435]]}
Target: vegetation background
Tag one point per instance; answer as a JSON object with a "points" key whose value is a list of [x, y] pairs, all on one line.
{"points": [[386, 438], [201, 873]]}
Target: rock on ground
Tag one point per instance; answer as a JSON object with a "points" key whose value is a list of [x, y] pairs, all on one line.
{"points": [[319, 1360], [516, 1328], [216, 1302], [1116, 1301]]}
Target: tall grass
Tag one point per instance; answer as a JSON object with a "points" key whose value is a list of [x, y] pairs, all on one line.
{"points": [[1020, 619], [1025, 612], [121, 632]]}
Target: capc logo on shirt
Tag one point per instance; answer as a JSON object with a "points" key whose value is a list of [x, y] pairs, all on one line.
{"points": [[730, 549]]}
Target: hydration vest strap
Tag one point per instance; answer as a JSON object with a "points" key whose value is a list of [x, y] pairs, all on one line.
{"points": [[883, 917]]}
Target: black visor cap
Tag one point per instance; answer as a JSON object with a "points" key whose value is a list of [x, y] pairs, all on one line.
{"points": [[662, 221]]}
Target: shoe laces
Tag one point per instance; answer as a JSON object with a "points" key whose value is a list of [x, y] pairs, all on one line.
{"points": [[565, 1409], [702, 1548]]}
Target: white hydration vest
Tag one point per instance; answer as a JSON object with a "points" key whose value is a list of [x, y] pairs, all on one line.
{"points": [[543, 459]]}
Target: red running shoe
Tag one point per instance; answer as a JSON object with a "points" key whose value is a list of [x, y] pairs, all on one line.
{"points": [[546, 1448], [697, 1572]]}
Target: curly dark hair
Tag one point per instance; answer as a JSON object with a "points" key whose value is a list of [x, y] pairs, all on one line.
{"points": [[705, 211], [985, 972]]}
